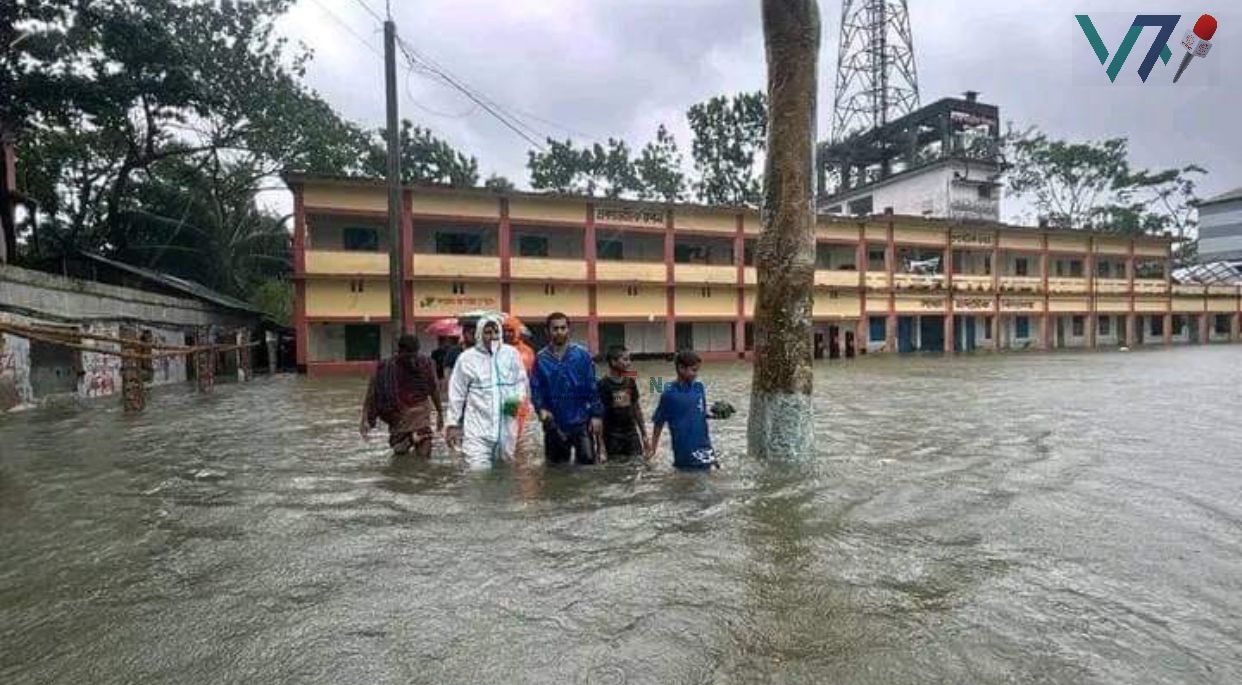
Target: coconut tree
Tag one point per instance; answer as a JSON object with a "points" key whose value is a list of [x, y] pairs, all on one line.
{"points": [[781, 423]]}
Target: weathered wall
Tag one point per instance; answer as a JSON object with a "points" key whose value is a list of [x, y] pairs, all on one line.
{"points": [[57, 298], [28, 374]]}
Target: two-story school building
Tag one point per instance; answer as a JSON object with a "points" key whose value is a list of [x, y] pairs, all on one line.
{"points": [[659, 277]]}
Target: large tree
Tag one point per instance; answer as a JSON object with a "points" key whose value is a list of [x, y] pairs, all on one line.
{"points": [[729, 136], [590, 170], [424, 159], [1093, 185], [658, 168], [781, 422], [104, 93]]}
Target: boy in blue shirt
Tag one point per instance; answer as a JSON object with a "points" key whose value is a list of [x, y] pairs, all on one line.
{"points": [[683, 406]]}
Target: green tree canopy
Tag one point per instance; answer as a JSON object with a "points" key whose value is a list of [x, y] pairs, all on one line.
{"points": [[424, 159], [729, 136]]}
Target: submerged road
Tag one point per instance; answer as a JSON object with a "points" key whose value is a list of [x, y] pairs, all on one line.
{"points": [[1065, 518]]}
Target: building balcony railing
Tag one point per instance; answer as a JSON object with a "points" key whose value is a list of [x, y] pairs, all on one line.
{"points": [[608, 271], [456, 266], [1227, 290], [1112, 286], [542, 268], [346, 263], [1150, 286], [1188, 289], [918, 281], [972, 283], [1021, 284], [750, 275], [876, 280], [1067, 285], [836, 279], [705, 273]]}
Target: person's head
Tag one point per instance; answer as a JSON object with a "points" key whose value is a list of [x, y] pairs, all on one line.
{"points": [[490, 332], [467, 331], [618, 359], [687, 363], [558, 328], [407, 348], [443, 342]]}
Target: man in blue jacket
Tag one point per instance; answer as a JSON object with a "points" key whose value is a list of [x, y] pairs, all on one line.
{"points": [[566, 398]]}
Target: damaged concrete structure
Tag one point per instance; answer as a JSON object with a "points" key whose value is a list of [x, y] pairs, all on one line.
{"points": [[156, 308]]}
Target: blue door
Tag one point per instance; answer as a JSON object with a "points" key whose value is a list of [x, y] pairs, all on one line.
{"points": [[931, 333], [966, 338], [905, 334]]}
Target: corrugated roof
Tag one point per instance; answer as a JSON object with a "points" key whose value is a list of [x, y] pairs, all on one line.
{"points": [[1232, 195], [191, 288]]}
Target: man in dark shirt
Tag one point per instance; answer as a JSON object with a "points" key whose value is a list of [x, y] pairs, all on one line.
{"points": [[625, 435], [398, 395]]}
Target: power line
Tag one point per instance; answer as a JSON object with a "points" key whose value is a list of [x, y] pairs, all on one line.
{"points": [[372, 12], [515, 125], [348, 28]]}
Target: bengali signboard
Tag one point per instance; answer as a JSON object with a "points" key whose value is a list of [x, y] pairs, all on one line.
{"points": [[456, 303], [972, 238], [1014, 304], [606, 214], [973, 304]]}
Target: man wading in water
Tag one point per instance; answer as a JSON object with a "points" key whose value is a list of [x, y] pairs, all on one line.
{"points": [[565, 395], [401, 393], [486, 390]]}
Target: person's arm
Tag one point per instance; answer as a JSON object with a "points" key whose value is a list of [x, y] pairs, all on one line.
{"points": [[538, 396], [637, 409], [457, 397], [597, 407], [657, 426], [369, 411], [435, 397]]}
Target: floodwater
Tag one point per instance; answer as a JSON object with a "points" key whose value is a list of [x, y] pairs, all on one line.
{"points": [[1064, 518]]}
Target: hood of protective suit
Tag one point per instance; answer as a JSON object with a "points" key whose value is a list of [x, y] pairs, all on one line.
{"points": [[478, 333]]}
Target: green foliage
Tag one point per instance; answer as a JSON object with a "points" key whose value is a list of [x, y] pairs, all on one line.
{"points": [[658, 168], [1091, 185], [275, 298], [499, 184], [729, 135], [425, 159], [108, 90], [565, 168]]}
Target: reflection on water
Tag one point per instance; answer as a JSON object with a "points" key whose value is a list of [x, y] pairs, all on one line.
{"points": [[1032, 518]]}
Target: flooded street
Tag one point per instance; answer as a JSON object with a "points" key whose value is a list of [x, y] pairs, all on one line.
{"points": [[1066, 518]]}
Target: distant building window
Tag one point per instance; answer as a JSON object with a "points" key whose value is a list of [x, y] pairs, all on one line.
{"points": [[1179, 324], [1021, 266], [875, 260], [1157, 325], [1075, 268], [549, 289], [459, 243], [532, 246], [1222, 324], [631, 290], [357, 285], [1079, 326], [362, 343], [835, 209], [459, 288], [877, 329], [690, 254], [1106, 325], [705, 292], [823, 256], [1104, 270], [609, 250], [985, 192], [1021, 327], [987, 328], [356, 239], [748, 253]]}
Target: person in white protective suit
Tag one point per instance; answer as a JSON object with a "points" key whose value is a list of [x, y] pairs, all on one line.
{"points": [[487, 388]]}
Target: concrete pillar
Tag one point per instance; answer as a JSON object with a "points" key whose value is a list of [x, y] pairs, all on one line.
{"points": [[1045, 332], [890, 331], [1205, 329], [1235, 332], [950, 330], [1131, 332], [1168, 329], [1092, 325]]}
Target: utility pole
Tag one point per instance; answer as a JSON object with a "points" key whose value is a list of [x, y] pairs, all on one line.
{"points": [[396, 283]]}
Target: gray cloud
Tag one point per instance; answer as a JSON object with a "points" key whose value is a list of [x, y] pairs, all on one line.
{"points": [[619, 67]]}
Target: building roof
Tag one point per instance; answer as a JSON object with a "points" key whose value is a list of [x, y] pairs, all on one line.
{"points": [[1231, 196], [191, 288], [293, 178], [1211, 273]]}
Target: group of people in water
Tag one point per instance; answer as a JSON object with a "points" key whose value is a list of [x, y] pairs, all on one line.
{"points": [[495, 383]]}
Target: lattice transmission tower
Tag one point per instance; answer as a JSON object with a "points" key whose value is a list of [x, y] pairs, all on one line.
{"points": [[876, 77]]}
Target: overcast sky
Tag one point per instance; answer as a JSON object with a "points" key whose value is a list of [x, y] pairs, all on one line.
{"points": [[598, 68]]}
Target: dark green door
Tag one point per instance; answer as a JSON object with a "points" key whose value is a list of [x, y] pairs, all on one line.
{"points": [[362, 343]]}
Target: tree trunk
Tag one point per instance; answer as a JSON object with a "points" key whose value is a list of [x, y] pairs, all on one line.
{"points": [[781, 420]]}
